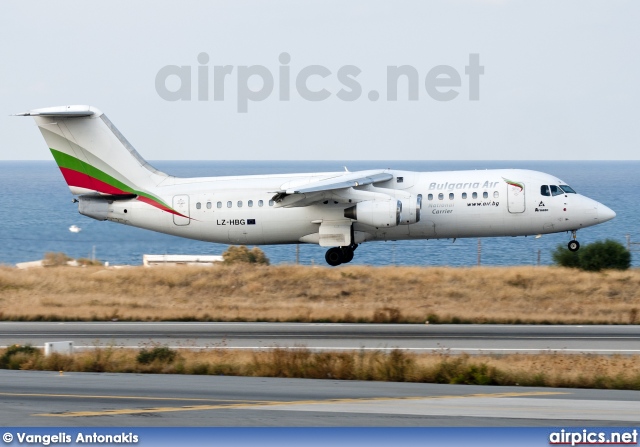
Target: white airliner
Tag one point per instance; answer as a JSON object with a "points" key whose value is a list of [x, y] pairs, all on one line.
{"points": [[333, 209]]}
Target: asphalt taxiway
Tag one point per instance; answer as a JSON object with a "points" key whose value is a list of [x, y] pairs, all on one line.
{"points": [[35, 398]]}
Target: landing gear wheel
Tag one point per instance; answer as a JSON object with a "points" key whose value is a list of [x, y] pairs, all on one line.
{"points": [[573, 246], [347, 254], [334, 256]]}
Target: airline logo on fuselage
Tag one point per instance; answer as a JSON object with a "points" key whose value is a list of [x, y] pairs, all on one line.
{"points": [[451, 186]]}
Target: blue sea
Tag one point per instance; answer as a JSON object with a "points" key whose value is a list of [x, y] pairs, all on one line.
{"points": [[38, 212]]}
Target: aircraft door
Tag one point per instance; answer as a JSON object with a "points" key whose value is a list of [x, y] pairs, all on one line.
{"points": [[515, 197], [181, 205]]}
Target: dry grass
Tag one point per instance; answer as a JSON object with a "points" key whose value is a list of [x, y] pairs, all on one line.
{"points": [[299, 293], [551, 370]]}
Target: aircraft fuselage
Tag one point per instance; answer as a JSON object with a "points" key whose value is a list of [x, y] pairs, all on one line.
{"points": [[455, 204]]}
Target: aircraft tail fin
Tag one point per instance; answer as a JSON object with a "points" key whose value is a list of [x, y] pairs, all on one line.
{"points": [[93, 156]]}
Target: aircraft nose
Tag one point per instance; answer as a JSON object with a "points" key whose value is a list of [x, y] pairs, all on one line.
{"points": [[605, 213]]}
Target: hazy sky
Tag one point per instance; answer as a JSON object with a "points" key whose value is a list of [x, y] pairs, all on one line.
{"points": [[561, 79]]}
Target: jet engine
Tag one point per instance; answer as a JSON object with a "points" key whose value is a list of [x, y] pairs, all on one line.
{"points": [[411, 207], [377, 213]]}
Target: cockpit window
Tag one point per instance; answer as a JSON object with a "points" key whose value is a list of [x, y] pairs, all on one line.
{"points": [[556, 190], [568, 189], [544, 190]]}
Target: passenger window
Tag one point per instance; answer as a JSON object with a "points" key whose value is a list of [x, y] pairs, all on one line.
{"points": [[555, 190], [270, 202], [440, 196], [208, 205], [475, 195], [219, 204], [260, 203], [451, 196], [250, 203], [496, 194], [430, 197], [485, 195], [464, 195], [198, 206], [544, 190], [239, 203], [229, 204]]}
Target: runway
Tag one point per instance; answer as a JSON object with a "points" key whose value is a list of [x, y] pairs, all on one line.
{"points": [[472, 339], [35, 398]]}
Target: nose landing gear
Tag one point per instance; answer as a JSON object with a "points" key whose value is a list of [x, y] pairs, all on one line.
{"points": [[573, 245]]}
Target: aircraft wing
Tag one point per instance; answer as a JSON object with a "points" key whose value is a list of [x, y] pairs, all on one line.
{"points": [[306, 192], [346, 180]]}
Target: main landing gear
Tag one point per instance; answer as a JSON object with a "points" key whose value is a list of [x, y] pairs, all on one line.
{"points": [[340, 255], [573, 245]]}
